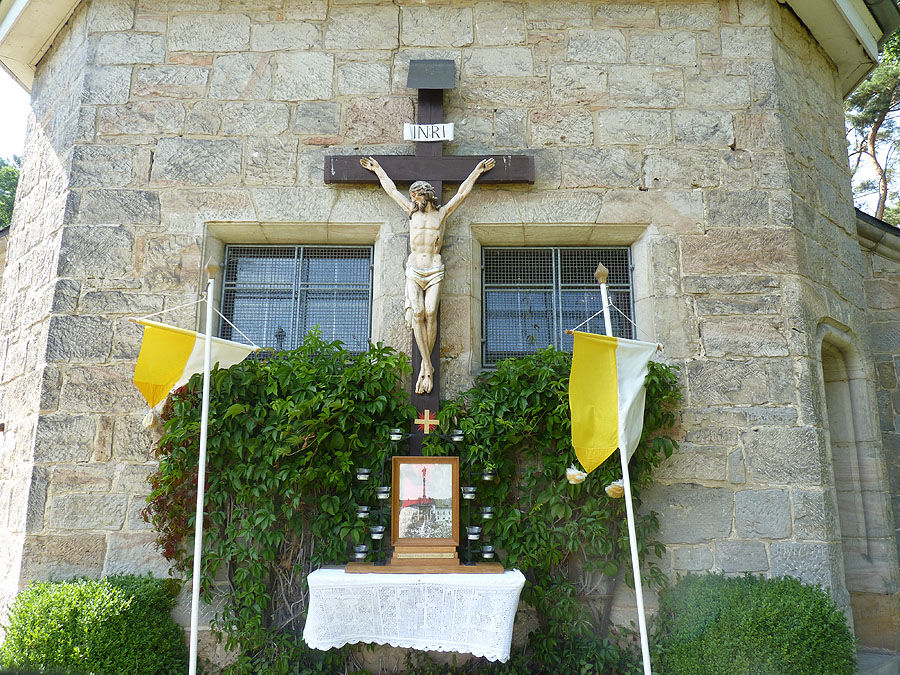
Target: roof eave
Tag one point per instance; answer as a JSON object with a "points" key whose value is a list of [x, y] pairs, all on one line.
{"points": [[27, 29]]}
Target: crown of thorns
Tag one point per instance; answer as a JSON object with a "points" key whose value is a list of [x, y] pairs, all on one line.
{"points": [[421, 186]]}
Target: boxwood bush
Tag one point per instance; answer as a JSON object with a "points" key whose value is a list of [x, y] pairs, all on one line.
{"points": [[714, 624], [120, 624]]}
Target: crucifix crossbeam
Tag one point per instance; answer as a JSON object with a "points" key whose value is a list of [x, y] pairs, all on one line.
{"points": [[428, 164]]}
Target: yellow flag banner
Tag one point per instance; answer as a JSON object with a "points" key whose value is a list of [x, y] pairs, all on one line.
{"points": [[170, 355], [606, 395]]}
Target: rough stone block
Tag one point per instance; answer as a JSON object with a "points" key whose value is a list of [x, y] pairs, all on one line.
{"points": [[122, 48], [811, 563], [181, 82], [694, 15], [378, 120], [104, 85], [498, 62], [279, 205], [36, 507], [638, 127], [60, 557], [681, 168], [131, 443], [111, 15], [509, 128], [261, 118], [717, 91], [131, 479], [695, 462], [741, 556], [317, 117], [690, 514], [435, 26], [100, 166], [565, 127], [499, 23], [78, 339], [646, 86], [120, 302], [505, 92], [96, 251], [364, 78], [556, 206], [811, 519], [134, 553], [88, 512], [577, 84], [192, 161], [703, 128], [100, 389], [737, 470], [762, 513], [241, 76], [270, 161], [65, 296], [746, 42], [738, 208], [270, 37], [742, 304], [141, 117], [302, 76], [783, 455], [368, 27], [664, 48], [692, 558], [743, 337], [600, 167], [209, 32], [626, 15], [204, 117], [727, 382], [731, 250], [758, 131], [81, 478], [596, 45]]}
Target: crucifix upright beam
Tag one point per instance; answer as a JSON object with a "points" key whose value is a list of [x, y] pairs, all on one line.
{"points": [[430, 78]]}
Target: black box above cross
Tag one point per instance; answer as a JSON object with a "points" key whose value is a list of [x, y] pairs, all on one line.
{"points": [[429, 163]]}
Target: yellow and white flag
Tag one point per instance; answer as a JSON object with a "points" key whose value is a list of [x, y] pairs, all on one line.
{"points": [[606, 396], [170, 355]]}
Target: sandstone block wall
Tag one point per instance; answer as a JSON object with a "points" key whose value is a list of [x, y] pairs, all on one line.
{"points": [[708, 135]]}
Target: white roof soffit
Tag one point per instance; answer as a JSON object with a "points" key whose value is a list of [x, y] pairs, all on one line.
{"points": [[27, 29], [847, 32]]}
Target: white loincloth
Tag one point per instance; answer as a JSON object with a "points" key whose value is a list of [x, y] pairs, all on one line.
{"points": [[424, 279]]}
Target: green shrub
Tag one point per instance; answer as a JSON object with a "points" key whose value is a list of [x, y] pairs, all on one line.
{"points": [[714, 624], [120, 624]]}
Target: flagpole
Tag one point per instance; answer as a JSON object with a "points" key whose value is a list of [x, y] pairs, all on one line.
{"points": [[601, 275], [211, 270]]}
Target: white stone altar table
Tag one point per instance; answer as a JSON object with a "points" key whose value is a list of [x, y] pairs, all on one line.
{"points": [[470, 613]]}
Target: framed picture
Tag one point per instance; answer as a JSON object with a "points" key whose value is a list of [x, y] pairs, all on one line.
{"points": [[425, 506]]}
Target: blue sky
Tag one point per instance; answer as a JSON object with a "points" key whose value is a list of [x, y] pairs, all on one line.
{"points": [[13, 114]]}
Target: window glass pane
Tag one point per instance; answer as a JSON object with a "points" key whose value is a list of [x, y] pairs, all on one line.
{"points": [[518, 266], [277, 294], [532, 295], [521, 322]]}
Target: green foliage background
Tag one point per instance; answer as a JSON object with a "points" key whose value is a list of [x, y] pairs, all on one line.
{"points": [[9, 181], [286, 435], [750, 625], [119, 624]]}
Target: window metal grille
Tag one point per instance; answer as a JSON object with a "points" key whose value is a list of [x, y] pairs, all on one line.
{"points": [[277, 294], [532, 295]]}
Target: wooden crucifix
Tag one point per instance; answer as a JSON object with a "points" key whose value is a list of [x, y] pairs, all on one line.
{"points": [[428, 169]]}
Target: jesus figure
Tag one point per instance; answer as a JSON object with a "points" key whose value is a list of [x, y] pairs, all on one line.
{"points": [[424, 268]]}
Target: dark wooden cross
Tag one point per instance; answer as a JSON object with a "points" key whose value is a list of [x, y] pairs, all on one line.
{"points": [[430, 164]]}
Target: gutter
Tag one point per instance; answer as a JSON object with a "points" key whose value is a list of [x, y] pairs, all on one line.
{"points": [[887, 14], [877, 236]]}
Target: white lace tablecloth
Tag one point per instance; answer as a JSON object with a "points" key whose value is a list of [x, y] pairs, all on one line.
{"points": [[470, 613]]}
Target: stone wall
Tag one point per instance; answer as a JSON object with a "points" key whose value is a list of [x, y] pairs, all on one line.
{"points": [[708, 135]]}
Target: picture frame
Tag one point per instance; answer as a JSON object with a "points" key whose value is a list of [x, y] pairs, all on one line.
{"points": [[425, 508]]}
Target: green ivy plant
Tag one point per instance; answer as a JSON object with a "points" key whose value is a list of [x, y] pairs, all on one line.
{"points": [[285, 437]]}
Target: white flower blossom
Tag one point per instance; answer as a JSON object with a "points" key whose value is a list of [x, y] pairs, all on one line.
{"points": [[574, 476]]}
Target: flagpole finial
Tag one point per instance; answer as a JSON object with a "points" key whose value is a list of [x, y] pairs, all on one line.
{"points": [[601, 274], [212, 268]]}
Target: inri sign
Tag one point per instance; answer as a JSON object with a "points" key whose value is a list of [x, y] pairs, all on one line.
{"points": [[428, 132]]}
